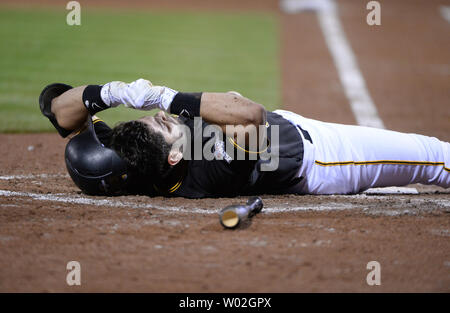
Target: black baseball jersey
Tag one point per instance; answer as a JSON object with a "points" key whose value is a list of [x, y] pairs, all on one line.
{"points": [[233, 170]]}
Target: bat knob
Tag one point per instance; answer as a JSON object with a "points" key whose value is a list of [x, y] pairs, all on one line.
{"points": [[255, 204]]}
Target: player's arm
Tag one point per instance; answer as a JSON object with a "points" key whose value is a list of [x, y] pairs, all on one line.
{"points": [[69, 110], [237, 116], [215, 108], [223, 109]]}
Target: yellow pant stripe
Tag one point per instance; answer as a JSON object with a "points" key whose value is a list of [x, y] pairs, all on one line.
{"points": [[399, 162]]}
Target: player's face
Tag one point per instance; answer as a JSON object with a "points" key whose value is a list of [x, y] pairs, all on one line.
{"points": [[163, 123]]}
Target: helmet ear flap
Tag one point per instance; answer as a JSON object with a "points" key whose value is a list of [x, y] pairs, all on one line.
{"points": [[94, 168]]}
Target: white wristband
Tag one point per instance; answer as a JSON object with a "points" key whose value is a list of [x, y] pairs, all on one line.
{"points": [[167, 96]]}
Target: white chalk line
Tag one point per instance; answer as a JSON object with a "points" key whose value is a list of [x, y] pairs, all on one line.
{"points": [[33, 176], [373, 193], [351, 78], [333, 206], [384, 190], [355, 89], [110, 202]]}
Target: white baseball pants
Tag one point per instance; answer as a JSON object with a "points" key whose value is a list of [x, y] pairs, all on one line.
{"points": [[345, 159]]}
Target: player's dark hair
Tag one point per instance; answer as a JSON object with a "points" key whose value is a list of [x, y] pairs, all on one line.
{"points": [[145, 150]]}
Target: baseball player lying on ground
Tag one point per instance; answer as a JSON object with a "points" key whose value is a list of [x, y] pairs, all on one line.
{"points": [[294, 154]]}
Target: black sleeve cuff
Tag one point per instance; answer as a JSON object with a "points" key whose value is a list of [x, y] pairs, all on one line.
{"points": [[186, 104]]}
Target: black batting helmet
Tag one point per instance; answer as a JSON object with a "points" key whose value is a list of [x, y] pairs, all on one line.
{"points": [[94, 168]]}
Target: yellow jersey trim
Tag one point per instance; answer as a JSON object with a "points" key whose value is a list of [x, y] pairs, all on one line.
{"points": [[172, 189], [176, 186], [247, 151]]}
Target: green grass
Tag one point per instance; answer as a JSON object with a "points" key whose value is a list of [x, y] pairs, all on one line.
{"points": [[186, 51]]}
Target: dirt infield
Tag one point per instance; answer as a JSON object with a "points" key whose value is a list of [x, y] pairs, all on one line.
{"points": [[297, 244]]}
